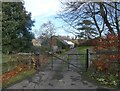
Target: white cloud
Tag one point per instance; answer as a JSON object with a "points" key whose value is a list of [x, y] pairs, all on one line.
{"points": [[42, 10], [42, 7]]}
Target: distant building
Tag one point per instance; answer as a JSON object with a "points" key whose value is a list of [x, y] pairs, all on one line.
{"points": [[55, 42], [36, 42], [62, 42], [70, 43]]}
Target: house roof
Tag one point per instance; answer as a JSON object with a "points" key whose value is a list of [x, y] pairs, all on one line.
{"points": [[36, 42], [69, 42]]}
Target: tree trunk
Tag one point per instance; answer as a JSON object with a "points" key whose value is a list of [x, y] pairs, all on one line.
{"points": [[116, 19], [103, 13], [97, 26]]}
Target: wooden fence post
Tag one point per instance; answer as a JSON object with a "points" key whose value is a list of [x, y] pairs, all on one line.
{"points": [[87, 59], [52, 62], [68, 62]]}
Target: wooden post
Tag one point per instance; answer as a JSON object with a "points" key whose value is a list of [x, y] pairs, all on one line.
{"points": [[87, 59], [68, 62], [52, 62], [51, 51]]}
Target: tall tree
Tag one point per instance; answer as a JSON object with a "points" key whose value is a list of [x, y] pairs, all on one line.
{"points": [[86, 29], [0, 27], [104, 15], [16, 26], [47, 29]]}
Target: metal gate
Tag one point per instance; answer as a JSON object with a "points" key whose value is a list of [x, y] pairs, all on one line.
{"points": [[77, 61]]}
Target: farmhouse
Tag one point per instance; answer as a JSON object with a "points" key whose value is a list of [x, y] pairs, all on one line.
{"points": [[71, 44], [36, 42]]}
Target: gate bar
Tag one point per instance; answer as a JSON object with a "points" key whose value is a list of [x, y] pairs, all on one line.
{"points": [[66, 61], [87, 59]]}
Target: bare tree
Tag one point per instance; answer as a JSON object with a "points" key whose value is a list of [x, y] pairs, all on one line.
{"points": [[47, 29], [97, 12]]}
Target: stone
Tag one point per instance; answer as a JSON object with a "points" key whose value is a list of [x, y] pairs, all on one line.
{"points": [[43, 73], [72, 83], [61, 81], [75, 78], [50, 84], [24, 86], [85, 82]]}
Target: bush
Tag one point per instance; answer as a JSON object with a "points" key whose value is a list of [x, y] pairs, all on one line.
{"points": [[90, 42], [107, 61]]}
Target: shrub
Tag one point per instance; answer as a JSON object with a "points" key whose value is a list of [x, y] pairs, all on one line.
{"points": [[107, 61]]}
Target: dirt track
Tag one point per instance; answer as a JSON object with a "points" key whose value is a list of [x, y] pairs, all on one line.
{"points": [[59, 78]]}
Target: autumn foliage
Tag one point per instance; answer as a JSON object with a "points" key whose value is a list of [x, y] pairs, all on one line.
{"points": [[107, 59], [22, 63], [12, 73]]}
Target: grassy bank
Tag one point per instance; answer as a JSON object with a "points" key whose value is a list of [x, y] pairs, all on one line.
{"points": [[9, 64], [82, 49], [82, 56], [21, 76]]}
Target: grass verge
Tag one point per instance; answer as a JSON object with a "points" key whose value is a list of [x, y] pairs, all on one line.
{"points": [[82, 49], [21, 76], [82, 56]]}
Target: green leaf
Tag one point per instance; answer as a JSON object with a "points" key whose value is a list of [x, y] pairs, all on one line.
{"points": [[16, 21]]}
